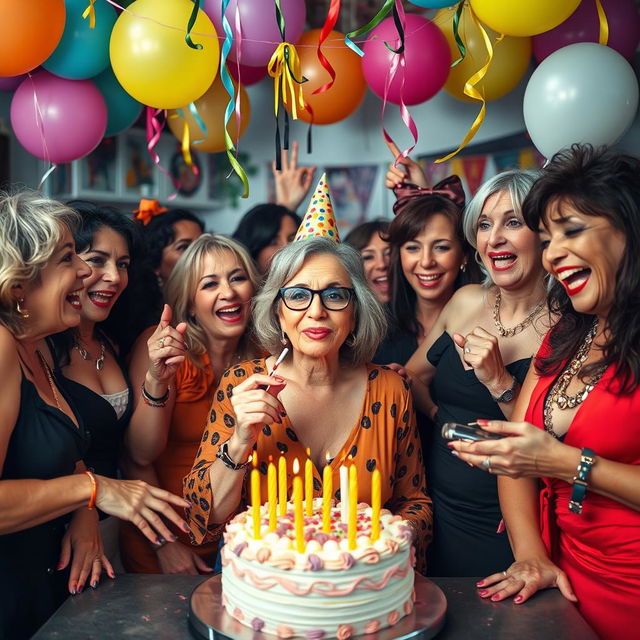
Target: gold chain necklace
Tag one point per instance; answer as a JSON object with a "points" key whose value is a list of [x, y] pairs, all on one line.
{"points": [[85, 355], [558, 393], [512, 331], [47, 371]]}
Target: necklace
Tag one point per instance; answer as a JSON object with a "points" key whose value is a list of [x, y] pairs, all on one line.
{"points": [[558, 393], [512, 331], [47, 370], [85, 355]]}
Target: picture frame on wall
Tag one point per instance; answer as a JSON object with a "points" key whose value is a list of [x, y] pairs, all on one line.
{"points": [[137, 172], [188, 180], [99, 169]]}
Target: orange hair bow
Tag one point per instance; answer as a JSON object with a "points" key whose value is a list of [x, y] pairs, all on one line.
{"points": [[147, 210]]}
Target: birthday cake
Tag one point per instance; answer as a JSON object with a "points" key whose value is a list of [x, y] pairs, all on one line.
{"points": [[326, 591]]}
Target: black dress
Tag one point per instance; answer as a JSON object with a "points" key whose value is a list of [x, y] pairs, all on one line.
{"points": [[44, 444], [465, 499]]}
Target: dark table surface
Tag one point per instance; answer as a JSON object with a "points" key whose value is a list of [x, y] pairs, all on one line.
{"points": [[153, 606]]}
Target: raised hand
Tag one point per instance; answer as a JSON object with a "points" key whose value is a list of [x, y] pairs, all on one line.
{"points": [[292, 182], [166, 348], [406, 171]]}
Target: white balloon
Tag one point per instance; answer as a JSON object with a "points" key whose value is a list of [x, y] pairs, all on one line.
{"points": [[585, 92]]}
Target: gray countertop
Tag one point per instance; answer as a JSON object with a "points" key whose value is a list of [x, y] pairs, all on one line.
{"points": [[156, 606]]}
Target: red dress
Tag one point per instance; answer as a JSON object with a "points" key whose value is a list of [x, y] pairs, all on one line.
{"points": [[599, 549]]}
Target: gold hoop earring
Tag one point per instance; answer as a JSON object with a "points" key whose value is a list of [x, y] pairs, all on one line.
{"points": [[23, 312]]}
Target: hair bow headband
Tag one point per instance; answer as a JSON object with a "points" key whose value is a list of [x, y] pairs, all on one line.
{"points": [[450, 188], [147, 210]]}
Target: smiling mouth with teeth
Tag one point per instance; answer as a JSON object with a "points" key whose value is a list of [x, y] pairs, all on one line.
{"points": [[574, 279], [502, 261], [74, 300], [230, 314]]}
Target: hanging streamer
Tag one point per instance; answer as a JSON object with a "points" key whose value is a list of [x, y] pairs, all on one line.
{"points": [[225, 76], [456, 34], [192, 21], [374, 22], [471, 91], [90, 12], [327, 28], [40, 122], [603, 37], [154, 129]]}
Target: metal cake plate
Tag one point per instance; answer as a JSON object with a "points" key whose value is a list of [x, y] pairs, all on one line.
{"points": [[209, 620]]}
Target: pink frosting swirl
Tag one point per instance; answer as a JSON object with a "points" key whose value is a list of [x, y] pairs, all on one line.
{"points": [[285, 632], [238, 615], [372, 627], [370, 556], [314, 562], [393, 617], [344, 632], [315, 634], [347, 559], [408, 607]]}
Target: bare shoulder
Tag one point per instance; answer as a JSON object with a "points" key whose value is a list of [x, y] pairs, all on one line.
{"points": [[9, 361], [464, 303]]}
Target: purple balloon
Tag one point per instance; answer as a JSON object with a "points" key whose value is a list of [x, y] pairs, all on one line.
{"points": [[10, 83], [260, 33], [426, 54], [69, 122], [583, 25]]}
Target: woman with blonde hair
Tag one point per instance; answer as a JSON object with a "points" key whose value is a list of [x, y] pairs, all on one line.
{"points": [[177, 370]]}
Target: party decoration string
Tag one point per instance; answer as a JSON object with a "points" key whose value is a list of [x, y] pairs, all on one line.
{"points": [[154, 129], [456, 34], [90, 12], [225, 77], [471, 91], [327, 27], [374, 22], [192, 21], [603, 36]]}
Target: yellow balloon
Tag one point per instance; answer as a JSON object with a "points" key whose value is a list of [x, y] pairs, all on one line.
{"points": [[523, 17], [151, 58], [510, 60], [211, 107]]}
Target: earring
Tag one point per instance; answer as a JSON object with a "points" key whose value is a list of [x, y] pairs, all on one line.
{"points": [[23, 312], [463, 267], [283, 339]]}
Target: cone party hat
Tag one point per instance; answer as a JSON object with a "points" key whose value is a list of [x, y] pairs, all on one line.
{"points": [[319, 219]]}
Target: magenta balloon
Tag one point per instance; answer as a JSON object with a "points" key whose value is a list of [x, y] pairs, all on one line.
{"points": [[10, 83], [260, 33], [583, 26], [427, 60], [73, 117], [248, 75]]}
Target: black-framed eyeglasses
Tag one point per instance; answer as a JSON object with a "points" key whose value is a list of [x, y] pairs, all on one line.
{"points": [[332, 298]]}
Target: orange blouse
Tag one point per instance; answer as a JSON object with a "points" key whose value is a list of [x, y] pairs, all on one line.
{"points": [[385, 436]]}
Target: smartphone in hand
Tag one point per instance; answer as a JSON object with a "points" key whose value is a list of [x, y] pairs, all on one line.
{"points": [[472, 432]]}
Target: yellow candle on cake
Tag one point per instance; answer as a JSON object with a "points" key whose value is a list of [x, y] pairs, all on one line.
{"points": [[272, 494], [353, 507], [282, 485], [297, 507], [308, 485], [327, 490], [344, 494], [376, 491], [255, 496]]}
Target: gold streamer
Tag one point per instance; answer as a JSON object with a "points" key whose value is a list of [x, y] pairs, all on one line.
{"points": [[603, 37], [471, 91], [284, 68], [91, 12], [186, 144]]}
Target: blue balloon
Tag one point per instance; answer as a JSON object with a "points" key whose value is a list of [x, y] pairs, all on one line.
{"points": [[83, 52], [434, 4], [122, 109]]}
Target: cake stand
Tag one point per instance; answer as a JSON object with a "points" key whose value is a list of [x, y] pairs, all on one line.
{"points": [[209, 620]]}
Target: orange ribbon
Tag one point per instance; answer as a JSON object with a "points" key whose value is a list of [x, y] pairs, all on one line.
{"points": [[148, 209]]}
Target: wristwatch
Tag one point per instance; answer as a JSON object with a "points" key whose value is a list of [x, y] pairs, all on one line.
{"points": [[508, 394], [227, 460]]}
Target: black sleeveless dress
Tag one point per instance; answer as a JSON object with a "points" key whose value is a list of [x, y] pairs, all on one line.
{"points": [[44, 444], [465, 499]]}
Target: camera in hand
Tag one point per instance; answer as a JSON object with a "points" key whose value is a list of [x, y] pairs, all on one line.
{"points": [[457, 431]]}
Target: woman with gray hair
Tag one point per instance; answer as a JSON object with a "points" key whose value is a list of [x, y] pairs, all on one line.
{"points": [[326, 402], [472, 365]]}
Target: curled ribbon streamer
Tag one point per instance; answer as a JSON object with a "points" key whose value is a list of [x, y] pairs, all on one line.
{"points": [[284, 68], [90, 12], [40, 122], [456, 34], [374, 22], [154, 129], [238, 93], [225, 76], [400, 25], [471, 91], [327, 27], [603, 37], [199, 121], [192, 21]]}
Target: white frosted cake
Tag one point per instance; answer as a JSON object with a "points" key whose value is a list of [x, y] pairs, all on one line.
{"points": [[325, 592]]}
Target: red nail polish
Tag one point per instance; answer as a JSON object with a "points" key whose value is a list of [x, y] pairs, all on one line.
{"points": [[518, 599], [482, 422], [480, 583], [483, 592], [495, 597]]}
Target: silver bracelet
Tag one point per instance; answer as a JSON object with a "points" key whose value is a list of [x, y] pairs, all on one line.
{"points": [[227, 460]]}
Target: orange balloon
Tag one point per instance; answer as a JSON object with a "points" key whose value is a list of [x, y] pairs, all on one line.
{"points": [[211, 107], [29, 32], [349, 87]]}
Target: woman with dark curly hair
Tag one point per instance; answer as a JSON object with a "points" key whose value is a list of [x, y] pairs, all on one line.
{"points": [[579, 408]]}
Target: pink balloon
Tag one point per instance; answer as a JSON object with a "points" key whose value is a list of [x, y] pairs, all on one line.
{"points": [[260, 33], [10, 83], [584, 26], [427, 60], [248, 75], [69, 122]]}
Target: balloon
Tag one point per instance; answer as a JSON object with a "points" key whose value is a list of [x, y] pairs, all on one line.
{"points": [[581, 93], [29, 32], [248, 75], [211, 107], [584, 26], [10, 83], [347, 91], [122, 109], [69, 120], [523, 17], [260, 33], [426, 54], [434, 4], [153, 63], [510, 57], [82, 52]]}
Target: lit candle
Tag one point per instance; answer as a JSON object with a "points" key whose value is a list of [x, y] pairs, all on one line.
{"points": [[255, 496], [282, 485], [375, 504], [353, 507], [308, 485], [327, 490], [272, 494], [297, 507], [344, 494]]}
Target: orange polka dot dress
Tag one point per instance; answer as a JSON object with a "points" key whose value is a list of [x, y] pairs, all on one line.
{"points": [[385, 437]]}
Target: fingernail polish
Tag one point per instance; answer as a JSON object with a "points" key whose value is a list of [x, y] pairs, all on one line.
{"points": [[518, 599], [80, 588], [173, 538], [73, 591], [185, 528], [283, 414], [495, 597], [94, 584], [480, 583], [483, 592], [60, 565], [112, 575], [455, 453]]}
